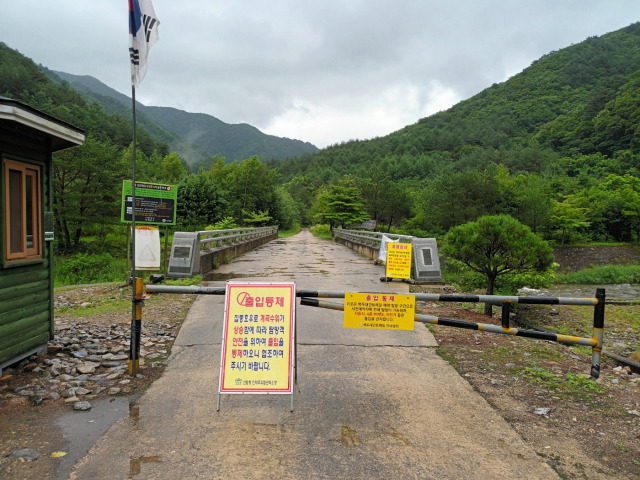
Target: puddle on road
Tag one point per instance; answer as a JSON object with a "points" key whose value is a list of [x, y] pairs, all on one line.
{"points": [[349, 437], [81, 430], [135, 464]]}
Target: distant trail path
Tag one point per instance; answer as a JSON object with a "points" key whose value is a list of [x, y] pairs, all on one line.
{"points": [[368, 404]]}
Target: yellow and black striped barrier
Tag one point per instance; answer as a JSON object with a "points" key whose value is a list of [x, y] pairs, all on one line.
{"points": [[595, 342], [310, 298]]}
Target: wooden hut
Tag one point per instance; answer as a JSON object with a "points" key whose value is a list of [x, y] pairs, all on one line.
{"points": [[28, 138]]}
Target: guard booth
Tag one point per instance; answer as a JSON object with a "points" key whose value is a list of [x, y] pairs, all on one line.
{"points": [[28, 138]]}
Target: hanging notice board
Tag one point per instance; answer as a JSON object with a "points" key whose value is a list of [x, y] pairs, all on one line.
{"points": [[155, 203], [258, 338], [398, 260]]}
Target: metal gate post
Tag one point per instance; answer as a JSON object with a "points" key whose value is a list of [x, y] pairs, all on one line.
{"points": [[136, 327], [506, 311], [598, 336]]}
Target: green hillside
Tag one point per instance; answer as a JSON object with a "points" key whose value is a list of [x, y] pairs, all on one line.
{"points": [[23, 80], [582, 99], [232, 141], [557, 146]]}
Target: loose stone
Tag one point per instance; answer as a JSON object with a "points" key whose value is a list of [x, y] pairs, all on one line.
{"points": [[26, 454], [82, 406]]}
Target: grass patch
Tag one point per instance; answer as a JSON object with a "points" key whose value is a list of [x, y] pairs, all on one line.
{"points": [[579, 387], [184, 282], [602, 275], [581, 384], [99, 306], [321, 231], [541, 376], [448, 355], [83, 269], [290, 232]]}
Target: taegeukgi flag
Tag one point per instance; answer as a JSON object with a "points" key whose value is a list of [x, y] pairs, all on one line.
{"points": [[143, 33]]}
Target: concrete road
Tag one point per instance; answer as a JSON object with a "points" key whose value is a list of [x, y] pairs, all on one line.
{"points": [[368, 404]]}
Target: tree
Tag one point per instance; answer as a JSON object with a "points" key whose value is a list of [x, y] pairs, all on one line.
{"points": [[302, 191], [340, 204], [473, 192], [288, 210], [569, 216], [173, 168], [199, 203], [252, 187], [495, 246], [87, 189]]}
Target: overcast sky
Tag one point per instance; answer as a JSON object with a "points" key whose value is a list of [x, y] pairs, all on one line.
{"points": [[320, 71]]}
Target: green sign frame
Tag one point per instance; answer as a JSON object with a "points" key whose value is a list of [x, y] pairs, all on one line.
{"points": [[155, 203]]}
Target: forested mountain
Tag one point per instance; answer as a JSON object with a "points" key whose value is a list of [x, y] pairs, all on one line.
{"points": [[196, 137], [582, 99], [87, 180], [557, 146]]}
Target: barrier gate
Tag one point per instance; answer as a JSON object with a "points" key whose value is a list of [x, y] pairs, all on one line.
{"points": [[312, 298]]}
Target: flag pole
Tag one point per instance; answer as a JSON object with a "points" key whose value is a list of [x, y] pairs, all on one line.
{"points": [[133, 348], [143, 33]]}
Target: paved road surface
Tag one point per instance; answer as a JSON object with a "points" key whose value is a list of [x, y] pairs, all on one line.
{"points": [[368, 404]]}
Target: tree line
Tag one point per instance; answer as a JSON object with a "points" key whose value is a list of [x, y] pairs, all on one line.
{"points": [[555, 147]]}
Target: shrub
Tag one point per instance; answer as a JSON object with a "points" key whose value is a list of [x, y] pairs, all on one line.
{"points": [[82, 268]]}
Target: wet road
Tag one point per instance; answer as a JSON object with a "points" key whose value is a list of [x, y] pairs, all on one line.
{"points": [[368, 404]]}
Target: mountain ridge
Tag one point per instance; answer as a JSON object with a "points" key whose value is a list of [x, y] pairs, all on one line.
{"points": [[196, 137]]}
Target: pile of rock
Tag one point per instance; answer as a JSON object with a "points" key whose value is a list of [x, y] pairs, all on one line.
{"points": [[84, 361]]}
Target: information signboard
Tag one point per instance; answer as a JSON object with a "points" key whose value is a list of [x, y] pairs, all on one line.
{"points": [[155, 203], [258, 338], [398, 260], [379, 310], [147, 247]]}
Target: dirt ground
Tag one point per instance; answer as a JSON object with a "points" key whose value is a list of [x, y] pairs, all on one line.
{"points": [[583, 429]]}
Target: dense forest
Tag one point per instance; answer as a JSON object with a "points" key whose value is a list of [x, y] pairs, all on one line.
{"points": [[556, 147]]}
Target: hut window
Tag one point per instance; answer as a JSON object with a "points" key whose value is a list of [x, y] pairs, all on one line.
{"points": [[22, 211]]}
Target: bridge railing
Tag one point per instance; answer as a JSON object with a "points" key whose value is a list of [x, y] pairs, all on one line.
{"points": [[194, 253], [366, 242], [367, 238], [210, 239]]}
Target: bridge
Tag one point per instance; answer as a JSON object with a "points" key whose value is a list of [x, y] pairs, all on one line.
{"points": [[368, 403]]}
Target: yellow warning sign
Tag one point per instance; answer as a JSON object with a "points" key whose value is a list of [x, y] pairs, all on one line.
{"points": [[257, 338], [399, 260], [379, 310]]}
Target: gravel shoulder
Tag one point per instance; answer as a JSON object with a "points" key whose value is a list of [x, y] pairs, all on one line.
{"points": [[585, 429]]}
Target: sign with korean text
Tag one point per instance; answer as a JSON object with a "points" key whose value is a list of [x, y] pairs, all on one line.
{"points": [[398, 260], [388, 311], [155, 203], [258, 338]]}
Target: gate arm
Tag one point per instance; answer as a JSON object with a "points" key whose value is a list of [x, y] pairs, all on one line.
{"points": [[594, 342]]}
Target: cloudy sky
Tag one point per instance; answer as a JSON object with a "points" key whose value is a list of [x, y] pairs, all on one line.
{"points": [[320, 71]]}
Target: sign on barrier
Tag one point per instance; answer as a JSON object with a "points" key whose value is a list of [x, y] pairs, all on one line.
{"points": [[399, 260], [147, 247], [379, 311], [258, 338]]}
